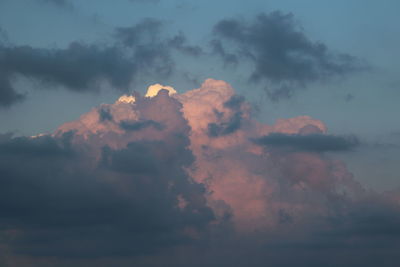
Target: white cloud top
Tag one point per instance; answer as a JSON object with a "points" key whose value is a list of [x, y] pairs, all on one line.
{"points": [[155, 88], [126, 99]]}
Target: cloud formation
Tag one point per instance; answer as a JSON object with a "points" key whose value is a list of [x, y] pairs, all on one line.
{"points": [[77, 67], [309, 142], [280, 51], [80, 198], [232, 123], [282, 58], [144, 182], [139, 52], [155, 88]]}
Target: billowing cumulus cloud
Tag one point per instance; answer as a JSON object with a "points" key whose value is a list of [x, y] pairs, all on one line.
{"points": [[89, 198], [282, 55], [189, 179]]}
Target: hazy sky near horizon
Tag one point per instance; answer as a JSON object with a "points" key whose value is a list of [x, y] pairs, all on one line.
{"points": [[334, 61]]}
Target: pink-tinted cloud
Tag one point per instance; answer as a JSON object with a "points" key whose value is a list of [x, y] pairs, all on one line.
{"points": [[192, 174]]}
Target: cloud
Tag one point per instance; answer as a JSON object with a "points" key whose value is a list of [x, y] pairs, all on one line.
{"points": [[65, 203], [146, 31], [44, 146], [283, 57], [309, 142], [126, 191], [126, 99], [179, 42], [3, 35], [219, 49], [372, 217], [233, 123], [153, 90], [225, 128], [150, 31], [138, 125], [280, 51], [139, 52], [66, 4], [78, 67], [105, 115], [149, 41], [8, 96]]}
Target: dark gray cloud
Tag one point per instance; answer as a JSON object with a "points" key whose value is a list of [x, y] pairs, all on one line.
{"points": [[228, 58], [44, 146], [3, 35], [235, 102], [284, 57], [149, 47], [105, 114], [309, 142], [8, 96], [149, 32], [139, 125], [78, 198], [179, 42], [225, 128], [233, 123], [373, 217], [145, 32], [281, 52], [139, 52], [50, 192], [138, 152], [77, 67]]}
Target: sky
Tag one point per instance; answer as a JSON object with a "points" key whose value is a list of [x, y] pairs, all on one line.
{"points": [[199, 133]]}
